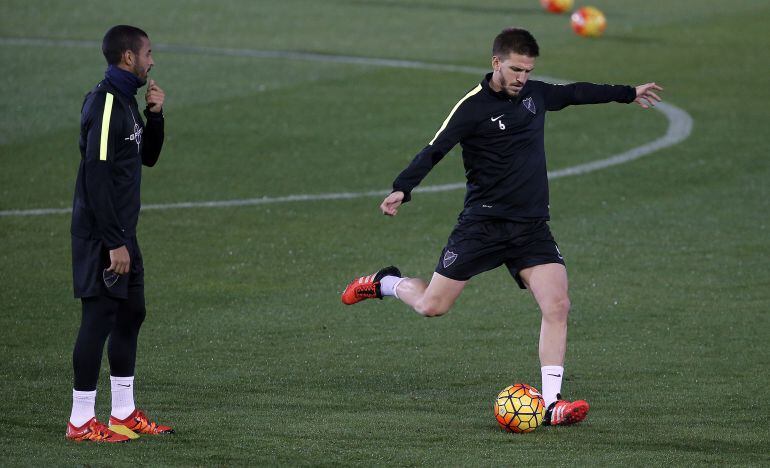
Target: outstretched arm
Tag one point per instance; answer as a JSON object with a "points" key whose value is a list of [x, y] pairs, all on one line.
{"points": [[646, 96], [558, 97]]}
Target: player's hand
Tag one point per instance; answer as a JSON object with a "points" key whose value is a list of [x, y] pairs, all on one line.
{"points": [[154, 97], [645, 95], [120, 261], [390, 205]]}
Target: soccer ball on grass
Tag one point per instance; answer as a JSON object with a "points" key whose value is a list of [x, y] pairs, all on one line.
{"points": [[519, 408]]}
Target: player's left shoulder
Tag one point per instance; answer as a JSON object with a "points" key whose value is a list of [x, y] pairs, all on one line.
{"points": [[537, 87]]}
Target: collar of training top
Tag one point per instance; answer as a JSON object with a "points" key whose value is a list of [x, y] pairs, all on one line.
{"points": [[124, 81], [498, 94]]}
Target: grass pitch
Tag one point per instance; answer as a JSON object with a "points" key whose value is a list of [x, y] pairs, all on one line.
{"points": [[247, 349]]}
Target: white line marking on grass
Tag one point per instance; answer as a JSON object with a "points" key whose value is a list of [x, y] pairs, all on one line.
{"points": [[264, 54], [679, 124]]}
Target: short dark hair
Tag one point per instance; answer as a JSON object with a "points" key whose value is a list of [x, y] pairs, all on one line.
{"points": [[515, 40], [119, 39]]}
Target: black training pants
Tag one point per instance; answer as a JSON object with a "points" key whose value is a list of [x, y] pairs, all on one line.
{"points": [[118, 319]]}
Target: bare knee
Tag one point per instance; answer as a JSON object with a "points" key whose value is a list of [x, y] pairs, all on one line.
{"points": [[431, 308], [557, 310]]}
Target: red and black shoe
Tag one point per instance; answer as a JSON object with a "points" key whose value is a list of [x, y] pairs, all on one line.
{"points": [[367, 287], [138, 423], [563, 412], [93, 431]]}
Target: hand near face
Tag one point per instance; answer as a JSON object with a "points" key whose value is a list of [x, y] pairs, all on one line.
{"points": [[154, 96]]}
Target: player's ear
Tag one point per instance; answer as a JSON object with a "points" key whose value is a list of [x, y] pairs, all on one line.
{"points": [[495, 63], [128, 57]]}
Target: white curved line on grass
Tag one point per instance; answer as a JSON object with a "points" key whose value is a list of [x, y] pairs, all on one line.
{"points": [[679, 123]]}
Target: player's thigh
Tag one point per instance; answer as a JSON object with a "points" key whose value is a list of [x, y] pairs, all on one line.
{"points": [[442, 292], [549, 285]]}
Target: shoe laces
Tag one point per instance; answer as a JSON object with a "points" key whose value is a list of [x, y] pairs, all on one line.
{"points": [[366, 290]]}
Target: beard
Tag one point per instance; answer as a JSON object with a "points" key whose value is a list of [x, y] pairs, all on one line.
{"points": [[503, 85], [506, 87], [141, 75]]}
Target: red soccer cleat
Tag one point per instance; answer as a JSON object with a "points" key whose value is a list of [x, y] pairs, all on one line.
{"points": [[139, 424], [93, 431], [367, 287], [563, 412]]}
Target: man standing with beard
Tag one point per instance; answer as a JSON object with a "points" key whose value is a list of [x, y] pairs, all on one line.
{"points": [[108, 275], [500, 126]]}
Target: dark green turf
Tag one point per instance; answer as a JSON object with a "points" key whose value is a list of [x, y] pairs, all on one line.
{"points": [[247, 349]]}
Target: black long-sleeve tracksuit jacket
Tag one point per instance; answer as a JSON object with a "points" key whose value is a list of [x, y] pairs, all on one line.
{"points": [[502, 139], [114, 144]]}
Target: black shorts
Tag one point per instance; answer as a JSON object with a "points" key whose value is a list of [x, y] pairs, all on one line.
{"points": [[478, 246], [89, 260]]}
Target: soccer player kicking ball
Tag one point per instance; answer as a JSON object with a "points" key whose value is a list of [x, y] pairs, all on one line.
{"points": [[107, 267], [500, 126]]}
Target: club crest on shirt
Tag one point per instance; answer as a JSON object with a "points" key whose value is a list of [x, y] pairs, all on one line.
{"points": [[449, 258], [530, 105], [136, 136]]}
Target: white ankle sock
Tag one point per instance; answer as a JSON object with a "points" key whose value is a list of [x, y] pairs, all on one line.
{"points": [[552, 376], [82, 407], [388, 285], [122, 396]]}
